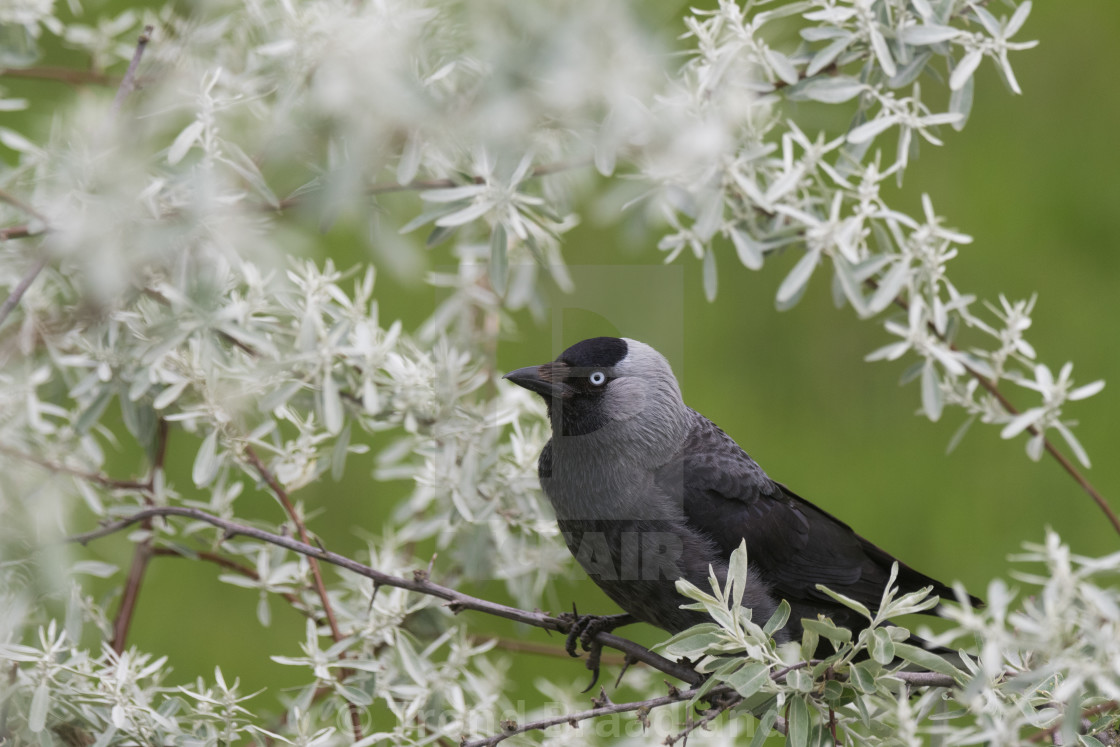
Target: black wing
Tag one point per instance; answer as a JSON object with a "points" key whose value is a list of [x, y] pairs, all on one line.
{"points": [[791, 543]]}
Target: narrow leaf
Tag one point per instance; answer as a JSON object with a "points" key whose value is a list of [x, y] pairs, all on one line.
{"points": [[799, 276], [798, 723], [711, 278], [206, 461]]}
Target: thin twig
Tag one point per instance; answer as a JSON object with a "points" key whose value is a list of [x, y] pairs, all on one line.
{"points": [[16, 232], [128, 83], [316, 572], [456, 600], [17, 293], [142, 554], [993, 389], [93, 477], [511, 729]]}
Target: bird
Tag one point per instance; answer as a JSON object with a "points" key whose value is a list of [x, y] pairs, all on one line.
{"points": [[647, 491]]}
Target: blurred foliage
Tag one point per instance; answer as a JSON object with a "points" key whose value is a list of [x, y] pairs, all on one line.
{"points": [[1032, 179]]}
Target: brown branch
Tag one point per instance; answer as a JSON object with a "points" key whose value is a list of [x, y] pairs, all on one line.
{"points": [[419, 583], [66, 75], [142, 555], [456, 600], [512, 729], [128, 83], [123, 621], [316, 573], [16, 232], [94, 477]]}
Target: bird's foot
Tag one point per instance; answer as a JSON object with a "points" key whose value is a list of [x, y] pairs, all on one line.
{"points": [[582, 631]]}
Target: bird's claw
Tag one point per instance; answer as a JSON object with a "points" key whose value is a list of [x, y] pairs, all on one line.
{"points": [[582, 630]]}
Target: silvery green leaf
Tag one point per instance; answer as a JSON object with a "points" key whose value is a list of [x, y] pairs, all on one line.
{"points": [[473, 211], [923, 8], [867, 131], [987, 20], [846, 601], [170, 394], [829, 90], [184, 141], [828, 55], [749, 251], [243, 165], [781, 12], [332, 404], [499, 259], [40, 702], [781, 66], [1074, 444], [96, 408], [1007, 74], [881, 646], [427, 217], [824, 33], [850, 286], [959, 434], [89, 495], [932, 402], [911, 70], [828, 629], [928, 34], [94, 568], [339, 453], [264, 611], [749, 678], [358, 697], [960, 101], [798, 723], [439, 234], [206, 462], [765, 726], [711, 278], [926, 659], [1088, 390], [692, 645], [962, 73], [777, 620], [882, 51], [1022, 421], [890, 286], [800, 680], [862, 677], [794, 283], [409, 162]]}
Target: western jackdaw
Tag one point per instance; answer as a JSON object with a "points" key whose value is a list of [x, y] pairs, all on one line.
{"points": [[647, 490]]}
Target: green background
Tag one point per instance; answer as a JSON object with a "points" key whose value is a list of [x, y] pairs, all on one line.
{"points": [[1033, 178]]}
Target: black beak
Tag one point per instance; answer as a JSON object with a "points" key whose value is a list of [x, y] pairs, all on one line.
{"points": [[545, 380]]}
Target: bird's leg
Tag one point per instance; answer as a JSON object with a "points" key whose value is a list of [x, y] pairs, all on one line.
{"points": [[582, 631]]}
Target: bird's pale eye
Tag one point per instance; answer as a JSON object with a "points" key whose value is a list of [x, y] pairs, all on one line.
{"points": [[597, 378]]}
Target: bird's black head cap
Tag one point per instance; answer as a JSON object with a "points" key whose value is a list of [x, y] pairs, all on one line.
{"points": [[598, 352]]}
